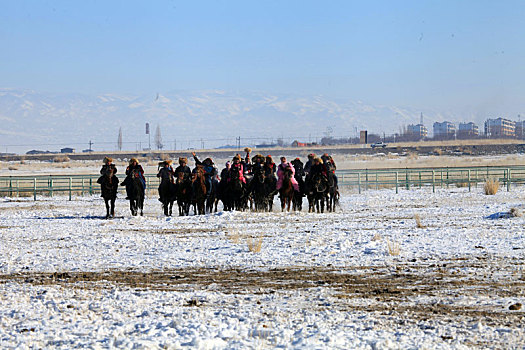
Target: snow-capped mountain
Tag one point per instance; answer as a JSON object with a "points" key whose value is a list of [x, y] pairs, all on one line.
{"points": [[50, 121]]}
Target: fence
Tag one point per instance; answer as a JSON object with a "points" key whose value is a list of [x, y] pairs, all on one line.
{"points": [[362, 179]]}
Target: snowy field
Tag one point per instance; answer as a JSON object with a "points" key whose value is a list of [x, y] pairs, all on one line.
{"points": [[386, 271]]}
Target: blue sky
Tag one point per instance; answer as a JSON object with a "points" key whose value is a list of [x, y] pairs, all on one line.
{"points": [[467, 56]]}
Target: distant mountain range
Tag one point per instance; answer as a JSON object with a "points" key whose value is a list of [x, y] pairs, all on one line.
{"points": [[38, 120]]}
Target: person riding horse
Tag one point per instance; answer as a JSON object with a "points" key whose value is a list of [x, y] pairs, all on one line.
{"points": [[183, 168], [280, 174], [299, 173], [237, 169], [107, 169], [330, 167], [134, 167], [210, 171], [269, 167], [166, 171]]}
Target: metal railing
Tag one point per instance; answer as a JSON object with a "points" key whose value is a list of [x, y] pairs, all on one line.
{"points": [[362, 179]]}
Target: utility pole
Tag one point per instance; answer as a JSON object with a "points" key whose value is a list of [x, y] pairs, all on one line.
{"points": [[90, 144]]}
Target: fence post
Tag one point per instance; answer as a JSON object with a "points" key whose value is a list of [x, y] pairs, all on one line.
{"points": [[10, 187], [70, 181], [34, 188], [359, 182], [90, 185], [50, 184], [508, 179], [469, 180], [397, 182], [433, 184], [82, 191], [366, 179], [406, 179]]}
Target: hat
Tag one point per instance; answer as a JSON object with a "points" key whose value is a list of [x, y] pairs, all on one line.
{"points": [[133, 160], [183, 159], [319, 160], [237, 156], [247, 149], [228, 163], [208, 160], [166, 162], [107, 160], [311, 156]]}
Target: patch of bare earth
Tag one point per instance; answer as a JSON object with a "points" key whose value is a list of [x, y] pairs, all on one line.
{"points": [[407, 293]]}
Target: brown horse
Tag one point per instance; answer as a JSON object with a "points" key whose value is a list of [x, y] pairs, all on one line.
{"points": [[199, 191], [286, 191], [183, 194]]}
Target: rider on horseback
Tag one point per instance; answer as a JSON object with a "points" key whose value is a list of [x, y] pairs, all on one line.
{"points": [[330, 167], [166, 171], [299, 173], [280, 174], [107, 169], [210, 171], [237, 169], [183, 168], [269, 167], [134, 166]]}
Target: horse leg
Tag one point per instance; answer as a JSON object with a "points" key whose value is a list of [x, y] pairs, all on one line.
{"points": [[112, 207], [106, 201]]}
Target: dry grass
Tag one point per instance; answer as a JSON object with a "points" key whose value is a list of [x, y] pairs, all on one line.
{"points": [[461, 184], [377, 237], [491, 186], [61, 159], [12, 167], [393, 248], [255, 244], [418, 221]]}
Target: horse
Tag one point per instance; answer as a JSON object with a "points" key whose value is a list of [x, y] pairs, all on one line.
{"points": [[333, 193], [167, 194], [199, 191], [259, 191], [233, 195], [271, 184], [108, 187], [135, 190], [183, 190], [213, 197], [317, 193], [286, 191]]}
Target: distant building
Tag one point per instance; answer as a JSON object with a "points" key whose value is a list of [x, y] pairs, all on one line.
{"points": [[520, 130], [467, 130], [67, 150], [417, 132], [500, 127], [444, 131]]}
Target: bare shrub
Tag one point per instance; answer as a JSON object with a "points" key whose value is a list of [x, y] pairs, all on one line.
{"points": [[437, 151], [491, 186], [461, 184], [393, 248], [61, 159], [418, 221], [377, 237], [255, 245], [12, 167]]}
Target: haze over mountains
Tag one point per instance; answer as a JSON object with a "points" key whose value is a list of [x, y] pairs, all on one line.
{"points": [[36, 120]]}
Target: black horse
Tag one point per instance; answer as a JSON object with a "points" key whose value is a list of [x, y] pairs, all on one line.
{"points": [[167, 195], [135, 191], [317, 193], [233, 195], [213, 196], [260, 191], [108, 187]]}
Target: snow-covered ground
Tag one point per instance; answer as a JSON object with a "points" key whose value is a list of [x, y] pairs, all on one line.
{"points": [[412, 270]]}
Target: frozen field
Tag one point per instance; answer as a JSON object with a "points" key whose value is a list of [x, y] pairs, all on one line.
{"points": [[413, 270]]}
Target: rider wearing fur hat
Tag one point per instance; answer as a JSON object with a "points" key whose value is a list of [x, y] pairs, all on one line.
{"points": [[134, 166], [183, 168], [269, 167], [210, 171], [237, 167], [166, 170], [107, 169]]}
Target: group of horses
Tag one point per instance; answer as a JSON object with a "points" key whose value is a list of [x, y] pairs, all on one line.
{"points": [[256, 194]]}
